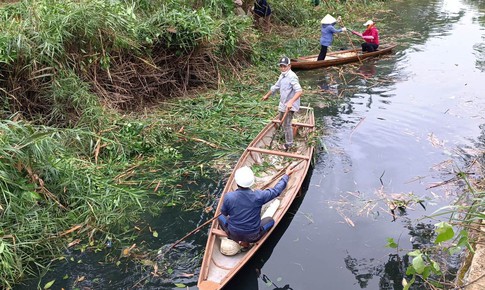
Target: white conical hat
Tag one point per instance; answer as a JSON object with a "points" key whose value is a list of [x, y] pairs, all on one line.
{"points": [[328, 19], [369, 22]]}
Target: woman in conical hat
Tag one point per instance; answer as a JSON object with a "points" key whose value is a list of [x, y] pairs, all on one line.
{"points": [[370, 36], [328, 30]]}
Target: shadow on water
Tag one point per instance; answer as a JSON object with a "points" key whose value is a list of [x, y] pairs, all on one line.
{"points": [[249, 277]]}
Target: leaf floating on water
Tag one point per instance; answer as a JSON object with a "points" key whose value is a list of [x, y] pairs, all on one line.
{"points": [[49, 284], [349, 221], [148, 263], [435, 141], [155, 234], [180, 285], [155, 270]]}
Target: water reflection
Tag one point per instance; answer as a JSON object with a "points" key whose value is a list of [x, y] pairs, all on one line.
{"points": [[392, 271], [367, 70]]}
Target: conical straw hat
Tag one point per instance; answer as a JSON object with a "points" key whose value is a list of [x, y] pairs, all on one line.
{"points": [[328, 19]]}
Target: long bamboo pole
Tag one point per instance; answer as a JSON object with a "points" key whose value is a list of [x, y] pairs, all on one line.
{"points": [[350, 39], [192, 232], [279, 128]]}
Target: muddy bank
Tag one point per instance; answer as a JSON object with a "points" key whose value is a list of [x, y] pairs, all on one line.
{"points": [[475, 277]]}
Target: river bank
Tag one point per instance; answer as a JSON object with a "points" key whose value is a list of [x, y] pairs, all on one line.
{"points": [[475, 278]]}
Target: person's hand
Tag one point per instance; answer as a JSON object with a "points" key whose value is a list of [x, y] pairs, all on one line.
{"points": [[289, 170], [289, 105], [265, 97], [344, 29]]}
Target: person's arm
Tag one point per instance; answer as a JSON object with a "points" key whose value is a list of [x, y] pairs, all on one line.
{"points": [[272, 90], [356, 33], [280, 186], [265, 97], [271, 193]]}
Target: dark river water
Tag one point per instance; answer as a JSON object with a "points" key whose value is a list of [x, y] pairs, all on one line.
{"points": [[396, 126]]}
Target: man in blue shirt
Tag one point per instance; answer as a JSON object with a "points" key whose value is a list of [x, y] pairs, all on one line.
{"points": [[241, 209]]}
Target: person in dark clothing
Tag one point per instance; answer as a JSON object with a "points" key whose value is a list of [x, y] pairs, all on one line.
{"points": [[262, 14], [241, 209]]}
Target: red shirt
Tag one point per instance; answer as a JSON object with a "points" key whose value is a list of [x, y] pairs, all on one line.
{"points": [[371, 35]]}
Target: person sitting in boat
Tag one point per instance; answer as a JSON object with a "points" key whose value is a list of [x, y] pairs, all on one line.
{"points": [[290, 93], [328, 30], [241, 209], [370, 35]]}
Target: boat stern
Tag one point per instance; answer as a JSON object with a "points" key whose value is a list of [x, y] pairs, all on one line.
{"points": [[209, 285]]}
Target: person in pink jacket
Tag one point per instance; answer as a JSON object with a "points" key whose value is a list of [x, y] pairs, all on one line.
{"points": [[370, 35]]}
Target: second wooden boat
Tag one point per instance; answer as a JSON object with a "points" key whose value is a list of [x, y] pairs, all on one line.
{"points": [[338, 57], [269, 165]]}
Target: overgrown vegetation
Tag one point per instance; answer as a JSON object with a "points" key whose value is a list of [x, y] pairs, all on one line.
{"points": [[76, 166], [427, 265]]}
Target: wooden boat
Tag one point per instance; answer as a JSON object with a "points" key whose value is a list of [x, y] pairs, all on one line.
{"points": [[338, 57], [269, 165]]}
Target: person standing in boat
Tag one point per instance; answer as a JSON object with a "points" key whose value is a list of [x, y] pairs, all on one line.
{"points": [[290, 93], [328, 30], [241, 209], [370, 36]]}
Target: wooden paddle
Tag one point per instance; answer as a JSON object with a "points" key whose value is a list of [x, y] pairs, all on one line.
{"points": [[193, 232], [350, 39]]}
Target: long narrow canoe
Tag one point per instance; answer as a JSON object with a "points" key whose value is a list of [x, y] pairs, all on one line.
{"points": [[338, 57], [269, 164]]}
